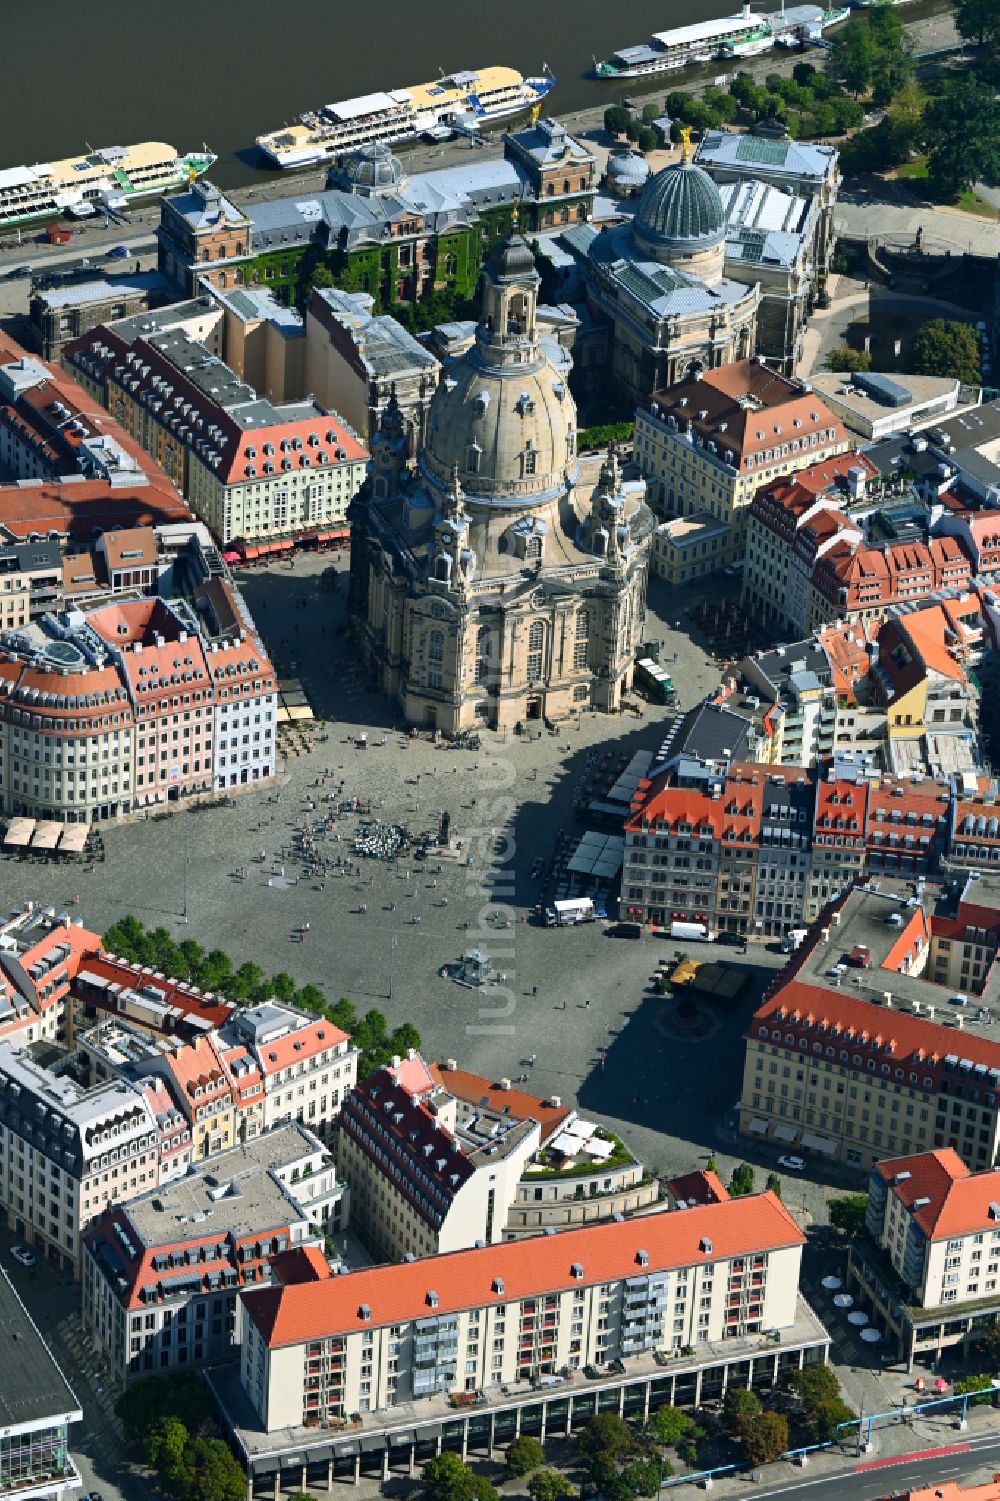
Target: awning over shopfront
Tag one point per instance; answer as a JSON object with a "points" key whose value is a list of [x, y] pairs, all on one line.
{"points": [[819, 1144], [19, 831], [758, 1127], [786, 1133]]}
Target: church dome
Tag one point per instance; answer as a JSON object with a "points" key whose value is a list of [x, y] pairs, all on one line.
{"points": [[502, 417], [680, 209], [509, 431], [627, 172], [372, 169], [514, 258]]}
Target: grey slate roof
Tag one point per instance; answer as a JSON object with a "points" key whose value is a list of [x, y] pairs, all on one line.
{"points": [[749, 153], [712, 732], [661, 289], [38, 1390]]}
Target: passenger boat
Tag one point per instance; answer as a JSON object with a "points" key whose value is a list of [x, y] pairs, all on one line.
{"points": [[108, 179], [740, 35], [323, 134]]}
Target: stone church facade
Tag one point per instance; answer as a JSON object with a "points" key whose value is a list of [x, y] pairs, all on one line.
{"points": [[486, 589]]}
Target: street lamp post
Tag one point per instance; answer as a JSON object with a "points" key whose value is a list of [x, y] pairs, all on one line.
{"points": [[184, 913]]}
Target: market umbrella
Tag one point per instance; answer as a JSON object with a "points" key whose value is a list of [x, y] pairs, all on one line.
{"points": [[844, 1300], [940, 1384], [857, 1317], [871, 1336], [832, 1283]]}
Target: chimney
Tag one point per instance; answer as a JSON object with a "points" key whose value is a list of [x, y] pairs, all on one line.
{"points": [[505, 1084], [450, 1065], [887, 997], [556, 1102]]}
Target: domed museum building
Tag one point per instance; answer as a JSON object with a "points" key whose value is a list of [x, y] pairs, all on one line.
{"points": [[658, 284], [485, 588]]}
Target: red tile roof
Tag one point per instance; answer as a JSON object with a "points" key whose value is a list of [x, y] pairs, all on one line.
{"points": [[300, 1264], [526, 1268], [700, 1187], [957, 1202], [914, 1043], [475, 1089]]}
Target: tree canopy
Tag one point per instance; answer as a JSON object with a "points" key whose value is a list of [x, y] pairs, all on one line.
{"points": [[979, 21], [523, 1454], [742, 1181], [961, 129], [848, 1212], [448, 1478], [249, 984], [548, 1485], [943, 347]]}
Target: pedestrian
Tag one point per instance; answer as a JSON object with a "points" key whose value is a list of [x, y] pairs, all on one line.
{"points": [[534, 990], [587, 1003]]}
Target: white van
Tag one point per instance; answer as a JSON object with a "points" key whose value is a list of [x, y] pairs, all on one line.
{"points": [[565, 914]]}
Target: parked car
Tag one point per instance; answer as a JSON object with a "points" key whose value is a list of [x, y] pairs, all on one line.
{"points": [[731, 940], [24, 1256], [118, 253], [792, 1164], [20, 271]]}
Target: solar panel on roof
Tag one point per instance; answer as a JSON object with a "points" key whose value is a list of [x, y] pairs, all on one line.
{"points": [[760, 149]]}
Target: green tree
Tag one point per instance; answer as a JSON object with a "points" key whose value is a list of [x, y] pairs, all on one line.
{"points": [[943, 347], [282, 987], [447, 1478], [846, 358], [711, 1166], [642, 1475], [669, 1425], [975, 1383], [814, 1384], [824, 1418], [216, 1474], [764, 1436], [606, 1433], [647, 139], [961, 128], [742, 1181], [523, 1454], [979, 20], [739, 1402], [548, 1485], [650, 112], [633, 131], [127, 938], [774, 1184], [852, 56], [166, 1452], [617, 119], [181, 1396], [804, 75]]}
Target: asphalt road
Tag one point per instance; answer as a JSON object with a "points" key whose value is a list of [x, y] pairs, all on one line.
{"points": [[901, 1476]]}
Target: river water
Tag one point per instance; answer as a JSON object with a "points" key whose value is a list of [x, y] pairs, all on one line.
{"points": [[223, 71]]}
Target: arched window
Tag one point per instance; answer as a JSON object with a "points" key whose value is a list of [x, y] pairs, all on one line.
{"points": [[517, 314], [582, 643], [536, 648], [435, 657], [484, 644], [529, 461], [472, 456]]}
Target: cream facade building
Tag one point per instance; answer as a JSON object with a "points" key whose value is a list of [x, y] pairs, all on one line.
{"points": [[484, 589], [477, 1320]]}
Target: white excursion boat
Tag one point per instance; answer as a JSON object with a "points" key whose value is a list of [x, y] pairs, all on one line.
{"points": [[466, 99], [110, 178], [740, 35]]}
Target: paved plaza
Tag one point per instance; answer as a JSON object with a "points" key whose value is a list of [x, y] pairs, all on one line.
{"points": [[581, 1002]]}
